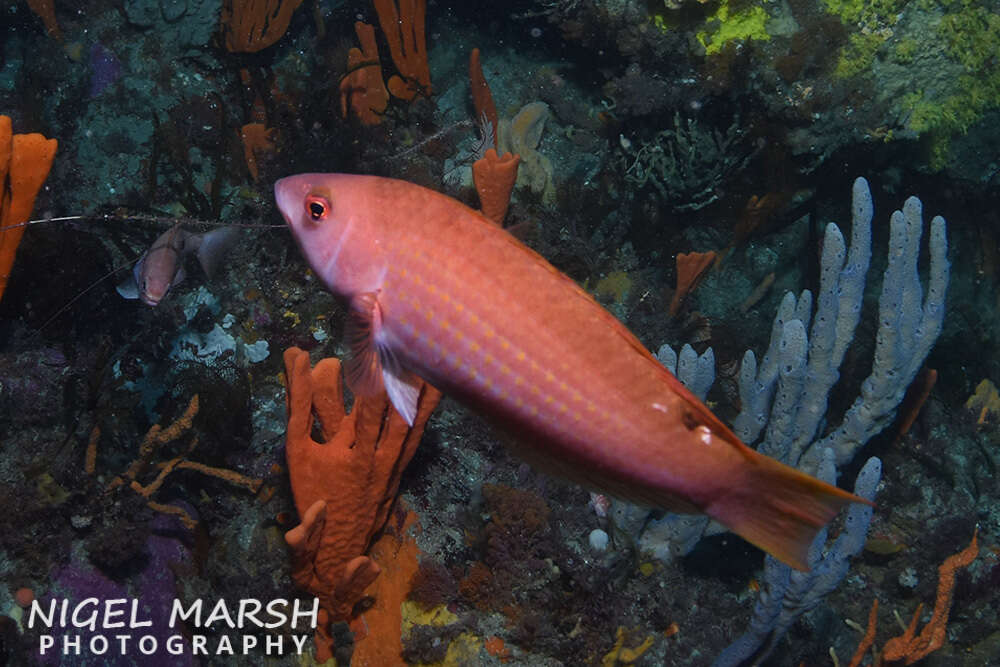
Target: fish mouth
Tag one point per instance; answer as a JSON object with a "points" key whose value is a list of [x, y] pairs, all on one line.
{"points": [[149, 300]]}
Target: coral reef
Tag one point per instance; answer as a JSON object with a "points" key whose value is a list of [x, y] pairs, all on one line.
{"points": [[687, 165], [25, 160], [344, 486]]}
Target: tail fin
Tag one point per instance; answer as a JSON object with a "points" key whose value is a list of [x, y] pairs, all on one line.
{"points": [[780, 509], [213, 247]]}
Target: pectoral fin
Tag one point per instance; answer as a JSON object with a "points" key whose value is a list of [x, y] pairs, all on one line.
{"points": [[129, 288], [373, 367], [178, 277], [403, 392]]}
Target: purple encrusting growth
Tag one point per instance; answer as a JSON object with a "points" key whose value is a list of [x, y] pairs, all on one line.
{"points": [[105, 69], [155, 588]]}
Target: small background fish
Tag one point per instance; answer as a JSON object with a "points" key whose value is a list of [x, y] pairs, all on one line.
{"points": [[162, 266]]}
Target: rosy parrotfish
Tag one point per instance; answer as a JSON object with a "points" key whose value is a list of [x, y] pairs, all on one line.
{"points": [[438, 291]]}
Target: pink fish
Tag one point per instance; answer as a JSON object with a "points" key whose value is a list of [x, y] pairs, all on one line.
{"points": [[438, 291], [162, 266]]}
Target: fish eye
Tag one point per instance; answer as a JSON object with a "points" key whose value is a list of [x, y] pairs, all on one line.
{"points": [[317, 207]]}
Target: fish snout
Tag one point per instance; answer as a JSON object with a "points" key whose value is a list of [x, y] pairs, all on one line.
{"points": [[151, 293], [289, 193]]}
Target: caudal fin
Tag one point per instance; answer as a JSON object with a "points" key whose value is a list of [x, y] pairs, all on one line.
{"points": [[780, 509], [213, 247]]}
